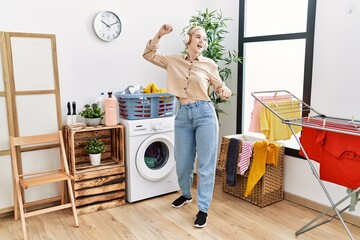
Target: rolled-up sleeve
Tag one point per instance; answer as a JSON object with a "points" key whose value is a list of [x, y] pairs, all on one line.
{"points": [[216, 81], [150, 54]]}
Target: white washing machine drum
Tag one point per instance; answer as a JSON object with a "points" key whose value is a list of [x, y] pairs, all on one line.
{"points": [[155, 157]]}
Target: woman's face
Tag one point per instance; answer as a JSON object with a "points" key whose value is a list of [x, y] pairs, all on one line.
{"points": [[197, 41]]}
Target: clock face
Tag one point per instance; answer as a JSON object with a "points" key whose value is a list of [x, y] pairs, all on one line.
{"points": [[107, 25]]}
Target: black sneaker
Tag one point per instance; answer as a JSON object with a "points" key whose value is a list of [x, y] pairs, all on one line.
{"points": [[200, 221], [178, 203]]}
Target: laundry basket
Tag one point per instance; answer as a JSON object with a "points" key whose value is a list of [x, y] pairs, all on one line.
{"points": [[145, 106], [268, 190]]}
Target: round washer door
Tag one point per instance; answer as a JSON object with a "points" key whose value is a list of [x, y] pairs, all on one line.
{"points": [[155, 157]]}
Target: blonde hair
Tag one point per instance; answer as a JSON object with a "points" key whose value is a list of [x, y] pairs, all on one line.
{"points": [[190, 31]]}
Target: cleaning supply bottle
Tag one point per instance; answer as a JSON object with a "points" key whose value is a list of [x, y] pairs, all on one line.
{"points": [[100, 102], [110, 110]]}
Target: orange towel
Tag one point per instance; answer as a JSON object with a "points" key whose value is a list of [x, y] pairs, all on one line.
{"points": [[264, 152]]}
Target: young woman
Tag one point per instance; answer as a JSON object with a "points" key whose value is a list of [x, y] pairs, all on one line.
{"points": [[196, 125]]}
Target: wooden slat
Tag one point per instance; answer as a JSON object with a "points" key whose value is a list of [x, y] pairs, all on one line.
{"points": [[50, 178], [100, 172], [36, 139], [99, 181], [99, 133], [82, 167], [100, 206], [99, 190], [99, 198], [46, 210], [42, 202]]}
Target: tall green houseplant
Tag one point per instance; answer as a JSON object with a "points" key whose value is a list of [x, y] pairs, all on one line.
{"points": [[215, 26]]}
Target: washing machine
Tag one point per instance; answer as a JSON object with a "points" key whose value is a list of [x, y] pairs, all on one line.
{"points": [[150, 161]]}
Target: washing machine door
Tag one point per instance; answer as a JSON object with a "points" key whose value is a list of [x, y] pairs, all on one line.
{"points": [[155, 157]]}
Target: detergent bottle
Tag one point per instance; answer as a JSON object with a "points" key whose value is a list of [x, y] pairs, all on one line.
{"points": [[110, 110]]}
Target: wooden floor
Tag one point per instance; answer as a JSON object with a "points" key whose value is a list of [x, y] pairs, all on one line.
{"points": [[229, 218]]}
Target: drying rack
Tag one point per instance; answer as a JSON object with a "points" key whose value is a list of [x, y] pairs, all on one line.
{"points": [[282, 109]]}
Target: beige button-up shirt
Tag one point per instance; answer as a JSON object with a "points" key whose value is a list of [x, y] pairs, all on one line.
{"points": [[187, 78]]}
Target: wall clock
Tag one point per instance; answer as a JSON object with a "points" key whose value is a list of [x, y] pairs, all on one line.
{"points": [[107, 25]]}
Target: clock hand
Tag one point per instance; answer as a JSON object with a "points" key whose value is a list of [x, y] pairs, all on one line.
{"points": [[105, 24], [113, 24]]}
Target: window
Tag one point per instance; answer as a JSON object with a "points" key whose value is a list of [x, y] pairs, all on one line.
{"points": [[276, 40]]}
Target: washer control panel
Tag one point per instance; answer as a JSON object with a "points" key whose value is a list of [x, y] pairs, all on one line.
{"points": [[148, 126]]}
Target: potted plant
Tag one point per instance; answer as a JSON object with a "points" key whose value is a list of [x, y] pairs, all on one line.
{"points": [[95, 147], [92, 114], [215, 26]]}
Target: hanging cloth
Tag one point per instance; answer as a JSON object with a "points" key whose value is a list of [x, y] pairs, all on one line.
{"points": [[244, 156], [272, 126], [264, 152], [231, 161], [258, 107]]}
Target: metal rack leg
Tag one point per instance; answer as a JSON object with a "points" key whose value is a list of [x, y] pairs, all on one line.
{"points": [[333, 206], [309, 225]]}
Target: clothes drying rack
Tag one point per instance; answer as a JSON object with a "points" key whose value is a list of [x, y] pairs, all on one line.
{"points": [[282, 108]]}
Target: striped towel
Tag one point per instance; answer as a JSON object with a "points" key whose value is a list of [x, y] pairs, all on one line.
{"points": [[245, 156]]}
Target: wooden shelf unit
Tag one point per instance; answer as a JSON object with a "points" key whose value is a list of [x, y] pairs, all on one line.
{"points": [[96, 187]]}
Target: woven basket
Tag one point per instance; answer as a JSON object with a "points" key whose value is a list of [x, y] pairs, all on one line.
{"points": [[268, 190]]}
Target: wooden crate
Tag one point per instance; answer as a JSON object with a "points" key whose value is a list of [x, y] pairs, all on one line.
{"points": [[97, 187]]}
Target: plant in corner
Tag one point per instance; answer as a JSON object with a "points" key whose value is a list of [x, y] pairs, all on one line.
{"points": [[95, 147], [215, 26], [92, 112]]}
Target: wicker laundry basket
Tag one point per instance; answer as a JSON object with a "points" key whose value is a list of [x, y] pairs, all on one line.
{"points": [[268, 190]]}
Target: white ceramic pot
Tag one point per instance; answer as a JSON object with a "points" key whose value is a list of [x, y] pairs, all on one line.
{"points": [[95, 159], [92, 121]]}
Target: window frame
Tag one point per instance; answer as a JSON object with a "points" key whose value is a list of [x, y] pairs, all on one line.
{"points": [[308, 65]]}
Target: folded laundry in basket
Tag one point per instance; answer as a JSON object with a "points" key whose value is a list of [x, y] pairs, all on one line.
{"points": [[245, 155], [153, 88], [138, 89], [231, 161]]}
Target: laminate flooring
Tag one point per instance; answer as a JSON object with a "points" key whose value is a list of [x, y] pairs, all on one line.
{"points": [[153, 219]]}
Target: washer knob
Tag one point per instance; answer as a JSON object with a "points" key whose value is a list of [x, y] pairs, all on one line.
{"points": [[157, 126]]}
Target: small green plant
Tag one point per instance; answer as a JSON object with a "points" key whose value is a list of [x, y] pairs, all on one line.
{"points": [[95, 146], [92, 111]]}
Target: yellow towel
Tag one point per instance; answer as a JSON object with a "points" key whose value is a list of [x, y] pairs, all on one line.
{"points": [[272, 153], [264, 152], [153, 88]]}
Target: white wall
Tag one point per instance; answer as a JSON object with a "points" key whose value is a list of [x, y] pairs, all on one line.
{"points": [[87, 65], [335, 87]]}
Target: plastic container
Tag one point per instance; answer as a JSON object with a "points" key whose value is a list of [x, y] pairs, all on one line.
{"points": [[110, 110], [100, 102], [145, 106]]}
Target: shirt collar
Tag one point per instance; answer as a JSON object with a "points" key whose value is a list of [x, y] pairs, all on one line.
{"points": [[199, 58]]}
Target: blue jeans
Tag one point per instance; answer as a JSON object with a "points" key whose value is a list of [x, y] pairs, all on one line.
{"points": [[196, 135]]}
